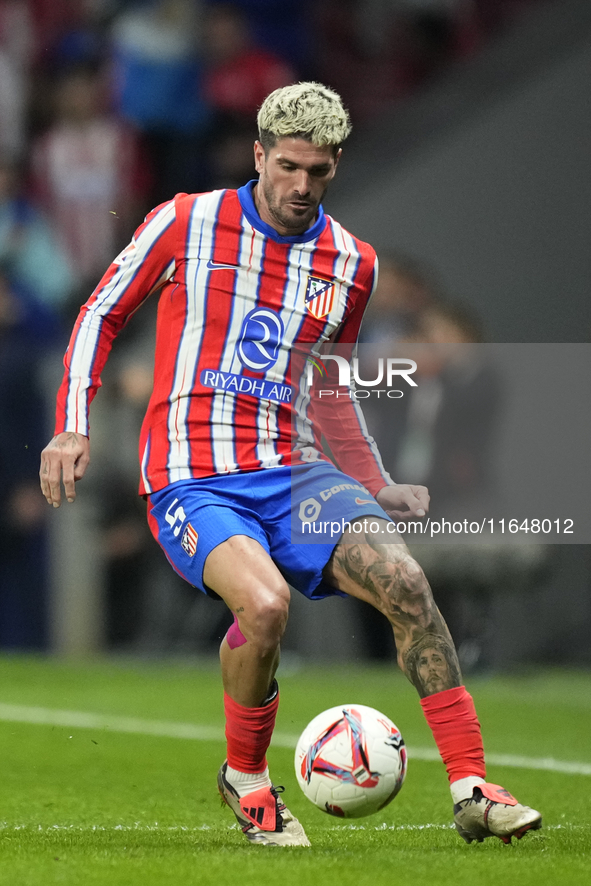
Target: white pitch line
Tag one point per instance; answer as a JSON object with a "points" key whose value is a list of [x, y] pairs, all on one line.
{"points": [[14, 713], [151, 828], [167, 729]]}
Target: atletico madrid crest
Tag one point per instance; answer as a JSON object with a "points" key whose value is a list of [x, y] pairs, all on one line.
{"points": [[189, 540], [319, 296]]}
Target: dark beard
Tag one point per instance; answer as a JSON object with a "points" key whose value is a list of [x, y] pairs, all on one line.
{"points": [[295, 224]]}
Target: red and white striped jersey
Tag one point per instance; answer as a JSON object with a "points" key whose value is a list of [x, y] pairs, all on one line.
{"points": [[237, 302]]}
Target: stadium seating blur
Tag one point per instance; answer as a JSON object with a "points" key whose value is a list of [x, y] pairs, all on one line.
{"points": [[410, 72]]}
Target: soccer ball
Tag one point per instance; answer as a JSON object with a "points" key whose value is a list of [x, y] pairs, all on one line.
{"points": [[350, 761]]}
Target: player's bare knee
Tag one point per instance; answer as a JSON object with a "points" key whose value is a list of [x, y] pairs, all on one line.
{"points": [[265, 617]]}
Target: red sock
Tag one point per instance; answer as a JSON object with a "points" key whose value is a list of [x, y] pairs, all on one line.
{"points": [[456, 730], [248, 733]]}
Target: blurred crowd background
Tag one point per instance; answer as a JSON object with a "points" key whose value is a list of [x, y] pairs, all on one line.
{"points": [[109, 107]]}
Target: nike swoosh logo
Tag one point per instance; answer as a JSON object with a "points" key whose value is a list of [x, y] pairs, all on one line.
{"points": [[214, 266], [363, 501]]}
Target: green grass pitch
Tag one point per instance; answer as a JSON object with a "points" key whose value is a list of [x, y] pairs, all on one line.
{"points": [[93, 805]]}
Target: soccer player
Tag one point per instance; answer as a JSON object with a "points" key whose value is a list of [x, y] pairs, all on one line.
{"points": [[245, 277]]}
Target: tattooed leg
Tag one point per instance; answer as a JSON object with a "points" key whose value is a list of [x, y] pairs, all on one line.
{"points": [[388, 577]]}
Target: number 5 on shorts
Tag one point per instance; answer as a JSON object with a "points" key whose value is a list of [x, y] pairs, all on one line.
{"points": [[178, 516]]}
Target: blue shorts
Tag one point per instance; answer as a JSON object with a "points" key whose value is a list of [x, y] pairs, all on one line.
{"points": [[281, 508]]}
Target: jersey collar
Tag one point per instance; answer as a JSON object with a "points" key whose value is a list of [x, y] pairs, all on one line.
{"points": [[246, 197]]}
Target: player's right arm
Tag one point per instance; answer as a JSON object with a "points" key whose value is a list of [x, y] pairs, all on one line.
{"points": [[140, 270], [65, 457]]}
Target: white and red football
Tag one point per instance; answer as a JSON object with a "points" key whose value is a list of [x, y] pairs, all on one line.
{"points": [[350, 761]]}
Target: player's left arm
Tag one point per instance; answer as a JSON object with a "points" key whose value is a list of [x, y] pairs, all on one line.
{"points": [[403, 500], [344, 427]]}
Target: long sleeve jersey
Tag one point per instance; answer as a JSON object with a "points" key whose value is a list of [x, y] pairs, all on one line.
{"points": [[240, 307]]}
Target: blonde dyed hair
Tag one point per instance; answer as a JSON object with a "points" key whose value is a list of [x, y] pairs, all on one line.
{"points": [[305, 110]]}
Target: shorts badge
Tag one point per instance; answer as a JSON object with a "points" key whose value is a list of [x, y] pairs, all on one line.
{"points": [[189, 540]]}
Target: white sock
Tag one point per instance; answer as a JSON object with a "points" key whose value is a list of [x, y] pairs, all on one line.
{"points": [[247, 782], [463, 787]]}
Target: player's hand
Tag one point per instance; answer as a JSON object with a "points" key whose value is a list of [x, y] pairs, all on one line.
{"points": [[401, 502], [65, 458]]}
